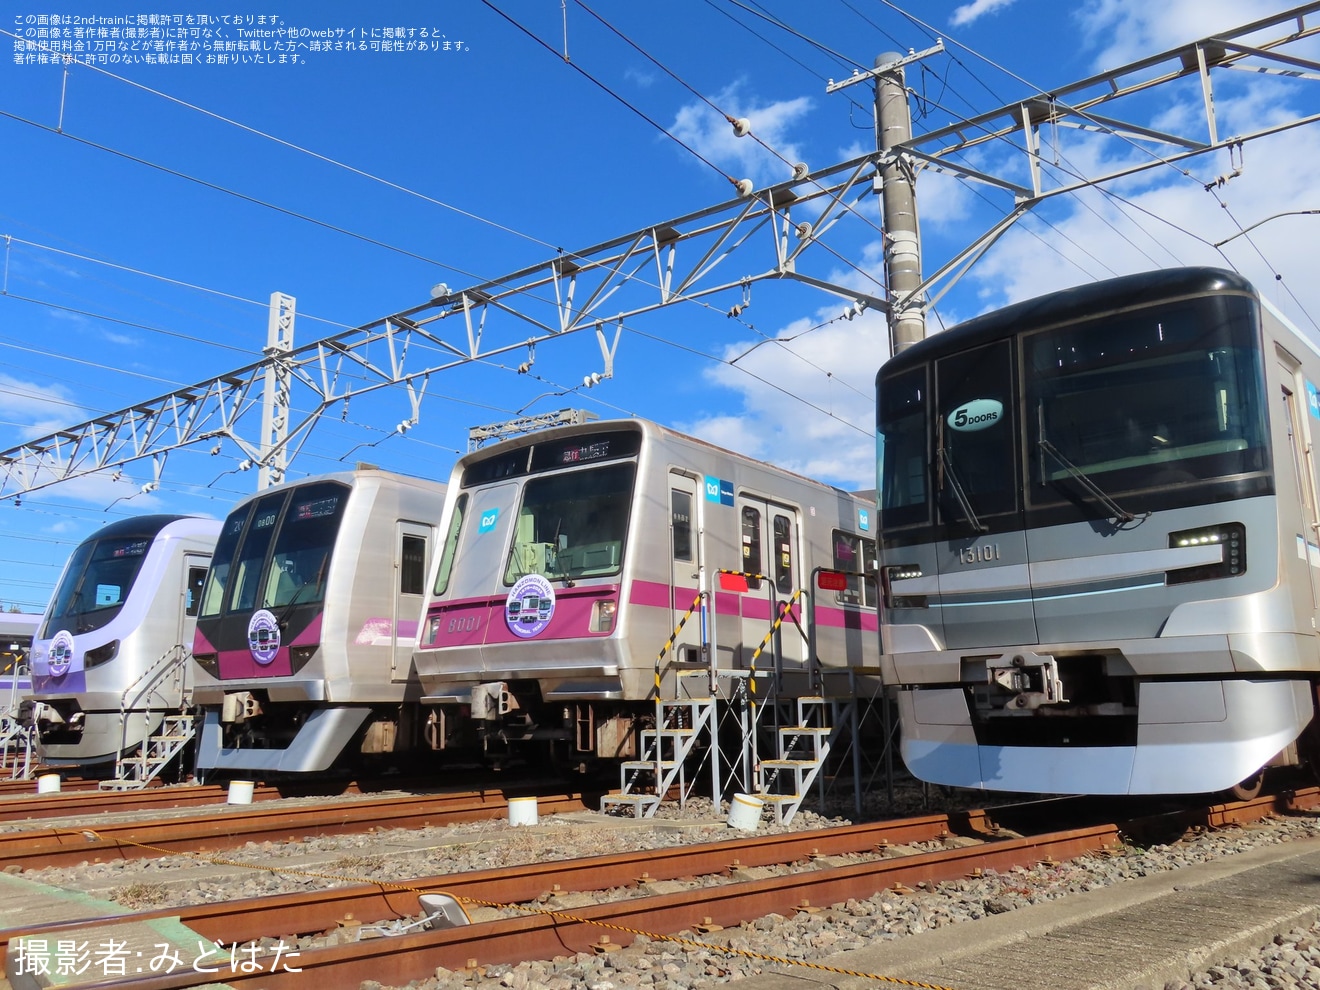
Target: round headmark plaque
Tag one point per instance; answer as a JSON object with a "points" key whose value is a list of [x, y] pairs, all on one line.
{"points": [[61, 653], [530, 605], [263, 636]]}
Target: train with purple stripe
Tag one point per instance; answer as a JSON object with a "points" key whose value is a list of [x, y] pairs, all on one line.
{"points": [[571, 555], [308, 620], [109, 659]]}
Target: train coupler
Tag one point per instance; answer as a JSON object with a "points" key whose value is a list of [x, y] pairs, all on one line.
{"points": [[1031, 679]]}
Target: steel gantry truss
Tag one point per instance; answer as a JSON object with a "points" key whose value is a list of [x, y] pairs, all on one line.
{"points": [[684, 259], [681, 260]]}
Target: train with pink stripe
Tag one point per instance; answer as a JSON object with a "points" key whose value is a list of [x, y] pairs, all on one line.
{"points": [[307, 622], [571, 555]]}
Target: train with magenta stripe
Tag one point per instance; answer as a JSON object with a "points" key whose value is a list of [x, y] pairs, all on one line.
{"points": [[571, 555], [307, 622], [1100, 549]]}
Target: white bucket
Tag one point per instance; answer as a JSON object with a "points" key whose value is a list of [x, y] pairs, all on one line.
{"points": [[240, 792], [522, 811], [745, 812], [48, 783]]}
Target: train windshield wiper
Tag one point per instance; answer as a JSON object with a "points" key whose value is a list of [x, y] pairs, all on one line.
{"points": [[1119, 513], [958, 493]]}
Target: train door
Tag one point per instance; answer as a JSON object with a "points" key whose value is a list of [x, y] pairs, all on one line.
{"points": [[768, 533], [1301, 495], [412, 546], [685, 566]]}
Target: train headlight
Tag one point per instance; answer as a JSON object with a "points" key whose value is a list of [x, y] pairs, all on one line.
{"points": [[602, 615], [1232, 540], [901, 572], [100, 655]]}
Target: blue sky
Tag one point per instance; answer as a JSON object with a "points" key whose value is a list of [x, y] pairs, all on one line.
{"points": [[150, 210]]}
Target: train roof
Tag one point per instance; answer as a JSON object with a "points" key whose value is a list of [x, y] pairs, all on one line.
{"points": [[18, 624], [346, 477], [1125, 292], [145, 525], [633, 422]]}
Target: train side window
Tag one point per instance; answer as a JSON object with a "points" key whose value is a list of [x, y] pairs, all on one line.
{"points": [[854, 555], [451, 545], [784, 554], [196, 578], [680, 509], [412, 565], [751, 546]]}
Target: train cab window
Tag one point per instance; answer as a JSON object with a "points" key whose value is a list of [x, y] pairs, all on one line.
{"points": [[95, 583], [217, 578], [901, 438], [572, 524], [751, 546], [447, 553], [412, 565], [1165, 397], [784, 554], [680, 514], [975, 457], [252, 554], [300, 558], [193, 595], [855, 556]]}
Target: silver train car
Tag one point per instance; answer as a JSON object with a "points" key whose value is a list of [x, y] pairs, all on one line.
{"points": [[304, 640], [570, 557], [109, 659], [1099, 540]]}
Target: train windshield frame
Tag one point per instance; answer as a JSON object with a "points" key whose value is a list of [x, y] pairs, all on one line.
{"points": [[1147, 408], [96, 583], [277, 550], [572, 524]]}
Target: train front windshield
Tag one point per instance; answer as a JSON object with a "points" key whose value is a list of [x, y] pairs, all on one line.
{"points": [[275, 551], [96, 584], [1138, 410], [572, 525], [567, 502]]}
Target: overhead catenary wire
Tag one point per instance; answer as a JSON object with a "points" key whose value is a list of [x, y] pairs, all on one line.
{"points": [[292, 146]]}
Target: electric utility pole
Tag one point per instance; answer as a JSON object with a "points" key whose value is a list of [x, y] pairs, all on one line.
{"points": [[895, 185]]}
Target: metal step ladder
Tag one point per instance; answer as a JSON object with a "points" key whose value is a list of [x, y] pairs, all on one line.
{"points": [[18, 735], [160, 688], [680, 724], [783, 782], [139, 769]]}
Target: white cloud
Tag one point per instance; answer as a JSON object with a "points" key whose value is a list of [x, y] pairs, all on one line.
{"points": [[710, 135], [807, 397], [1123, 31], [42, 408], [970, 12], [1175, 221], [644, 80]]}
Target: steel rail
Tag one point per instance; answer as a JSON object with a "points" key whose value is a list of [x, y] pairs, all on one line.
{"points": [[233, 826], [306, 912], [546, 933]]}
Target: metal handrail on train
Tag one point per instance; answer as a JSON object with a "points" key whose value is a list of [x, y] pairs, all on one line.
{"points": [[172, 662]]}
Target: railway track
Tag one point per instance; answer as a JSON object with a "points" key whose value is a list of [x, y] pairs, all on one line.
{"points": [[541, 931], [231, 826]]}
